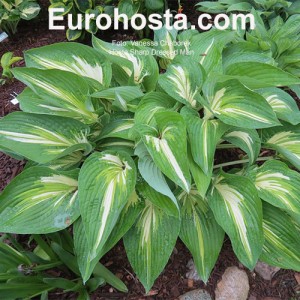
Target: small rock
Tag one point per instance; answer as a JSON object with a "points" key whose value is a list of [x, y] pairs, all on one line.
{"points": [[195, 295], [265, 271], [192, 273], [233, 286]]}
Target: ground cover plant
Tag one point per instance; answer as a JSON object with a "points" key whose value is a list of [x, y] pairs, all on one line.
{"points": [[6, 62], [120, 150], [13, 11], [267, 8]]}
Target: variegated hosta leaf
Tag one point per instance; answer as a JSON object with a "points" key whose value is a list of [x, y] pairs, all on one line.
{"points": [[201, 180], [43, 138], [129, 64], [39, 200], [168, 148], [163, 202], [118, 127], [150, 104], [183, 80], [165, 40], [256, 75], [200, 232], [150, 242], [72, 57], [237, 208], [153, 176], [246, 139], [207, 47], [285, 140], [204, 135], [127, 218], [282, 103], [61, 93], [116, 144], [236, 105], [122, 96], [106, 181], [282, 242], [278, 184], [29, 10]]}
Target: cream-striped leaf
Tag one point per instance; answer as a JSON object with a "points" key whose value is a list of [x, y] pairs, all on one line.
{"points": [[39, 200], [246, 139], [183, 80], [43, 138], [278, 184], [285, 140], [60, 92], [127, 218], [238, 210], [282, 103], [106, 181], [150, 242], [204, 136], [72, 57], [282, 242], [200, 232], [236, 105], [128, 63], [168, 148]]}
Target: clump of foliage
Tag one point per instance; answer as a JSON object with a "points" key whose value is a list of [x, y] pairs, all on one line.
{"points": [[12, 11], [267, 8], [6, 62], [25, 274], [122, 151]]}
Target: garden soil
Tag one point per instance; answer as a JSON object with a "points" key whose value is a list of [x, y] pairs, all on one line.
{"points": [[172, 282]]}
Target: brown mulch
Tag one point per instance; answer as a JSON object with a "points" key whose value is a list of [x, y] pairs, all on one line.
{"points": [[172, 282]]}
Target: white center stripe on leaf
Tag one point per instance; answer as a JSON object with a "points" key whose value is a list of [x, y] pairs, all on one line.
{"points": [[233, 200], [216, 102], [107, 203], [162, 145], [246, 114], [276, 103], [206, 52], [245, 137]]}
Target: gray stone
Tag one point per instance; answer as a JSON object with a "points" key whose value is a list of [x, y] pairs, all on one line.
{"points": [[195, 295], [233, 286], [265, 271], [192, 273]]}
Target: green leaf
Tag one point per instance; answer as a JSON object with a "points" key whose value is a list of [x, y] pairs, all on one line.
{"points": [[257, 75], [151, 173], [238, 210], [150, 104], [128, 7], [278, 185], [236, 105], [150, 243], [39, 200], [127, 218], [73, 35], [200, 232], [106, 181], [42, 138], [61, 92], [154, 5], [183, 80], [204, 136], [282, 103], [84, 5], [168, 149], [246, 139], [75, 58], [282, 244], [163, 202], [285, 140]]}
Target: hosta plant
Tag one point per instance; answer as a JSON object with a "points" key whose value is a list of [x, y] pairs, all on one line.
{"points": [[123, 151], [267, 8], [6, 62], [13, 11], [25, 274]]}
